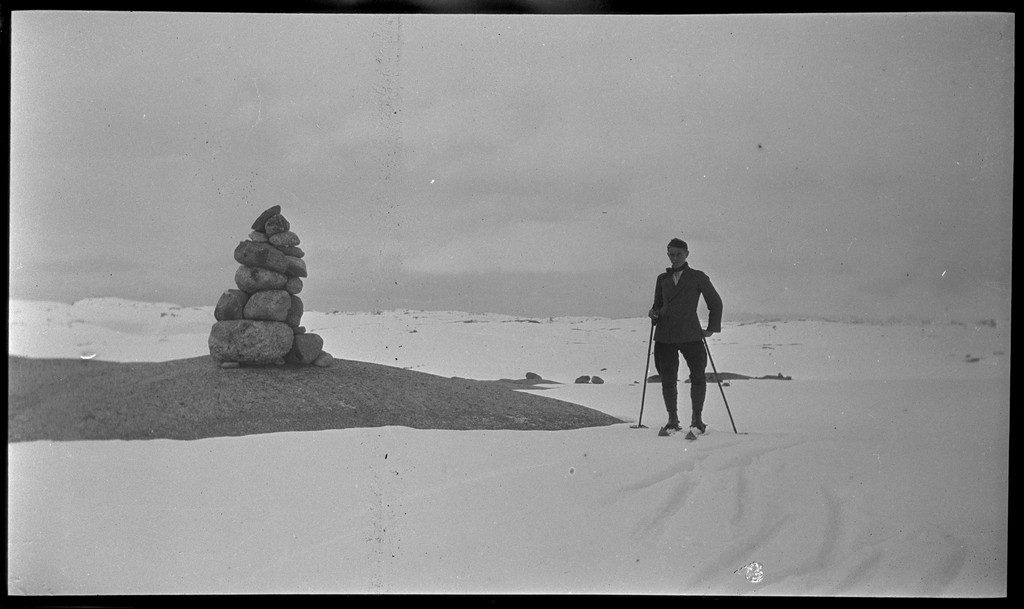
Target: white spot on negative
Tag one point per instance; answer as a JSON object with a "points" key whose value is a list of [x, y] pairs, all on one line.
{"points": [[754, 572]]}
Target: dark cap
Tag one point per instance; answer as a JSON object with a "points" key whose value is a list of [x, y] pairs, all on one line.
{"points": [[678, 243]]}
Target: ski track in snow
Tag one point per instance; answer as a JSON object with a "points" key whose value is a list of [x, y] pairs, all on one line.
{"points": [[672, 493]]}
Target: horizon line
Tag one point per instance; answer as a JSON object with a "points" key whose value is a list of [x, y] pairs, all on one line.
{"points": [[739, 317]]}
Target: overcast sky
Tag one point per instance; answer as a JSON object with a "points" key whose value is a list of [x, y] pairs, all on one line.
{"points": [[534, 165]]}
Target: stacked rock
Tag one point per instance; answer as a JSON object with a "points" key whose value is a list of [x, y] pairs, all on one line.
{"points": [[258, 324]]}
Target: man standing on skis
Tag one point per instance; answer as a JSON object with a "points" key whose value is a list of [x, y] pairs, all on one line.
{"points": [[678, 330]]}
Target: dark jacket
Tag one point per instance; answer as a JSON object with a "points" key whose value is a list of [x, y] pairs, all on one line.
{"points": [[677, 307]]}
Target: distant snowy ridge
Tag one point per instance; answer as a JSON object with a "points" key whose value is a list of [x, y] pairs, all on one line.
{"points": [[111, 304], [115, 302]]}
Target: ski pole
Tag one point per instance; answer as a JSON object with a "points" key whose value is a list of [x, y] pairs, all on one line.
{"points": [[647, 368], [719, 379]]}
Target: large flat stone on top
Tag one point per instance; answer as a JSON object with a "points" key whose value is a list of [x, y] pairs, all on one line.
{"points": [[261, 222]]}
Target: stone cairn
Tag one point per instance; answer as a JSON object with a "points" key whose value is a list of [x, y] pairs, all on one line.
{"points": [[258, 324]]}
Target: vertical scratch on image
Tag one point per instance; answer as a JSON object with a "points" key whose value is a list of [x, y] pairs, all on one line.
{"points": [[388, 139], [259, 104]]}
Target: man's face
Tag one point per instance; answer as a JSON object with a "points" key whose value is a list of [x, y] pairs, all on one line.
{"points": [[677, 256]]}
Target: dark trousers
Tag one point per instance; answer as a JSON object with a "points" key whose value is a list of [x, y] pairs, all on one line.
{"points": [[666, 361]]}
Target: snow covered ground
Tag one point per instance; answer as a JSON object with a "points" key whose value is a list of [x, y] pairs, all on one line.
{"points": [[880, 469]]}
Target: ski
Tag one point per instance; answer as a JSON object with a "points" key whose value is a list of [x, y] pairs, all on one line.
{"points": [[691, 434], [694, 432]]}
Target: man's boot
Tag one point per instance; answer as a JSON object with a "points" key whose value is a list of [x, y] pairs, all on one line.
{"points": [[697, 393], [670, 395], [673, 420]]}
